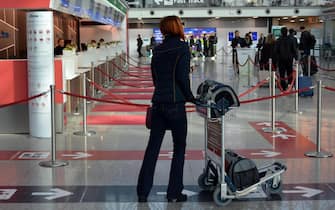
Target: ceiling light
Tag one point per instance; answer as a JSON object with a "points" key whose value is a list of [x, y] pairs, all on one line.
{"points": [[292, 21], [255, 17], [321, 21], [301, 19], [139, 18], [217, 17], [294, 16], [285, 18]]}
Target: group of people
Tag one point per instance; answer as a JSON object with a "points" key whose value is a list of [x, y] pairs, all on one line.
{"points": [[152, 45], [284, 50], [62, 44], [205, 46]]}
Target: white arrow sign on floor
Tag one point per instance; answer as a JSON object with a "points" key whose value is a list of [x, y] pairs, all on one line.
{"points": [[6, 194], [307, 192], [283, 136], [267, 124], [186, 192], [78, 155], [53, 194], [267, 153]]}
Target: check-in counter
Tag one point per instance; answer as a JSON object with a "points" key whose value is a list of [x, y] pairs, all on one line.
{"points": [[14, 85]]}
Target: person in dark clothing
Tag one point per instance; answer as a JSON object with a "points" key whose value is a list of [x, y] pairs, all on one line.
{"points": [[170, 69], [291, 34], [267, 52], [235, 43], [305, 41], [285, 51], [206, 45], [212, 40], [59, 48], [152, 42], [139, 45]]}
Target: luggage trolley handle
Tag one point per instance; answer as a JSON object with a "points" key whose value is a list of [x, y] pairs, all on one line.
{"points": [[210, 105]]}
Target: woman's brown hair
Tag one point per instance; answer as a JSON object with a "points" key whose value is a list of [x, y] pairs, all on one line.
{"points": [[171, 25]]}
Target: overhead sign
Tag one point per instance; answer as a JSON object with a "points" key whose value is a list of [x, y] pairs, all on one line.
{"points": [[180, 3], [110, 12]]}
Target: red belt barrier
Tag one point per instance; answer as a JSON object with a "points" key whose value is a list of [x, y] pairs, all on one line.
{"points": [[137, 67], [321, 68], [24, 100], [330, 88], [129, 74], [101, 100], [108, 93], [253, 88], [275, 96], [122, 83]]}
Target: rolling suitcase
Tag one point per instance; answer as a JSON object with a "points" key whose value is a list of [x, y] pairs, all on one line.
{"points": [[304, 82]]}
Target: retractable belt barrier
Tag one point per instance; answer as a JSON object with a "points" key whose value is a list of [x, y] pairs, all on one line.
{"points": [[24, 100]]}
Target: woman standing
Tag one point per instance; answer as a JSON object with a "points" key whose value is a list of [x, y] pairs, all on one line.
{"points": [[170, 68]]}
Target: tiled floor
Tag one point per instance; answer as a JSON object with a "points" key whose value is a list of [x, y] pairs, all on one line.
{"points": [[106, 177]]}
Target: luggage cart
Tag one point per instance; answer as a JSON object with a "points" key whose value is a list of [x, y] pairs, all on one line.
{"points": [[214, 100]]}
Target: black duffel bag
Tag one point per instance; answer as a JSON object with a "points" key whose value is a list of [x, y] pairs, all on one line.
{"points": [[242, 171]]}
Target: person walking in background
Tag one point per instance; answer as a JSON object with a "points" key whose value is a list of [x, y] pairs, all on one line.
{"points": [[267, 52], [307, 41], [235, 43], [205, 43], [285, 51], [139, 45], [152, 42], [59, 48], [170, 69], [291, 34]]}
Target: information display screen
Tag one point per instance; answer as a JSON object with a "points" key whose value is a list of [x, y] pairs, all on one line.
{"points": [[195, 32]]}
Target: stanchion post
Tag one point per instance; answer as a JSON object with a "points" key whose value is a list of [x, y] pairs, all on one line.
{"points": [[92, 78], [309, 65], [53, 162], [223, 54], [84, 132], [318, 153], [297, 87], [107, 72], [273, 101], [249, 60], [273, 128], [270, 76]]}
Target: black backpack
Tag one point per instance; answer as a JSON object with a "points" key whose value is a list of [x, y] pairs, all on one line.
{"points": [[242, 171]]}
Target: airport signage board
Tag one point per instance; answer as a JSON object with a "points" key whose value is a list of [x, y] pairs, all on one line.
{"points": [[179, 3]]}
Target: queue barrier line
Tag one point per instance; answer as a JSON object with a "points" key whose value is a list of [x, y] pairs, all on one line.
{"points": [[122, 83], [24, 100], [259, 84], [127, 73], [321, 68], [276, 96], [136, 67]]}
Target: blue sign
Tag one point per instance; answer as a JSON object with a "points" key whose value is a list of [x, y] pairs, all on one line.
{"points": [[65, 3], [254, 36], [230, 36], [195, 32]]}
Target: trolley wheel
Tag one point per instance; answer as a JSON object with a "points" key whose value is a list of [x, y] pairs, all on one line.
{"points": [[203, 183], [272, 188], [217, 198]]}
